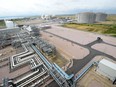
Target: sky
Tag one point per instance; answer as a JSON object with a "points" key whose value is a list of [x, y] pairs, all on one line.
{"points": [[54, 7]]}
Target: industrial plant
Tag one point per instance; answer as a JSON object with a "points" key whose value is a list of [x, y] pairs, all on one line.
{"points": [[31, 54], [40, 68]]}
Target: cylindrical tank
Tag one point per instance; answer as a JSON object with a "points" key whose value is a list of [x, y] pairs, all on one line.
{"points": [[9, 24], [86, 17], [101, 17]]}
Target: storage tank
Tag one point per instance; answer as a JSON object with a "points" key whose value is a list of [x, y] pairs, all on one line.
{"points": [[9, 24], [101, 17], [86, 17]]}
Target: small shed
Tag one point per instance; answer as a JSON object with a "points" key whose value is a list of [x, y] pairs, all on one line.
{"points": [[107, 68]]}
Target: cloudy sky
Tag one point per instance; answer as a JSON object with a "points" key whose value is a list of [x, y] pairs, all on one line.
{"points": [[39, 7]]}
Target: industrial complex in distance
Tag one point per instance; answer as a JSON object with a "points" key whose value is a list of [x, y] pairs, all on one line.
{"points": [[41, 52]]}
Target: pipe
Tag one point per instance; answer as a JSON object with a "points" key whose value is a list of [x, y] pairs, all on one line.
{"points": [[49, 65], [65, 75]]}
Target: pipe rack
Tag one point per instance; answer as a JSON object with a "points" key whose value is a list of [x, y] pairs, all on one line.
{"points": [[63, 79]]}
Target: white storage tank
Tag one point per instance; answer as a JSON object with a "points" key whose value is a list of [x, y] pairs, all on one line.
{"points": [[107, 68], [86, 17], [9, 24], [101, 17]]}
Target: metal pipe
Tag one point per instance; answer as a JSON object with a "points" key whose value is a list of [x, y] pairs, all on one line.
{"points": [[83, 72], [54, 69], [68, 77], [49, 65]]}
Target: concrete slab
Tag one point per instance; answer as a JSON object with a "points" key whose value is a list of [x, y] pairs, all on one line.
{"points": [[111, 50], [74, 35], [72, 50], [81, 37]]}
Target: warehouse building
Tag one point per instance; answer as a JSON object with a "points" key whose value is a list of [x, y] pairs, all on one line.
{"points": [[108, 69], [86, 17]]}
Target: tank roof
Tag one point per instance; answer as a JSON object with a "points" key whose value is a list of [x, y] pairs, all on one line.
{"points": [[108, 63]]}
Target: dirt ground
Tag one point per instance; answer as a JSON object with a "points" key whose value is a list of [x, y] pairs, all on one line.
{"points": [[7, 52], [5, 72], [94, 79]]}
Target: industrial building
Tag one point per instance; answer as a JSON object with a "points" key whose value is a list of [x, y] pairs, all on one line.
{"points": [[108, 69], [100, 17], [32, 30], [47, 17]]}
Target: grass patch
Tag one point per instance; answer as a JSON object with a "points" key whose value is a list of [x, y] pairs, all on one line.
{"points": [[111, 17], [109, 29], [2, 24]]}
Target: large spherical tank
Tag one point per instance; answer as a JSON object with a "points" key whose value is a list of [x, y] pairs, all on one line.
{"points": [[101, 17], [87, 17]]}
